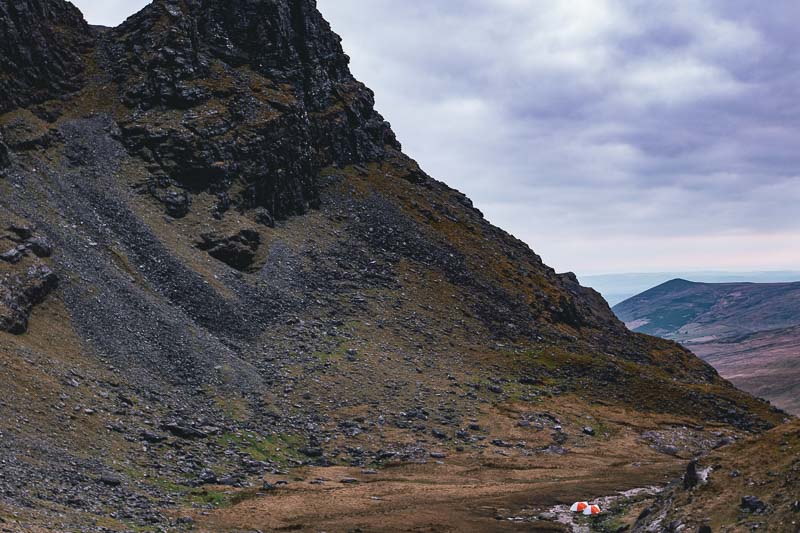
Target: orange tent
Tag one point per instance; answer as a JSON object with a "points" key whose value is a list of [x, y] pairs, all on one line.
{"points": [[578, 507], [592, 510]]}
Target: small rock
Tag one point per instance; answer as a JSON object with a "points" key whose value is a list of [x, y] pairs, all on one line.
{"points": [[724, 441], [669, 449], [182, 431], [438, 434], [112, 480], [13, 256], [311, 451], [152, 438], [40, 246], [691, 478], [751, 504], [588, 431], [207, 477], [263, 217]]}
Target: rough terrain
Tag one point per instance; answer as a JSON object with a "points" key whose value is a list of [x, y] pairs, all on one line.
{"points": [[219, 271]]}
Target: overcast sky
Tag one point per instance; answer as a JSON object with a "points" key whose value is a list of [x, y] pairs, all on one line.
{"points": [[611, 135]]}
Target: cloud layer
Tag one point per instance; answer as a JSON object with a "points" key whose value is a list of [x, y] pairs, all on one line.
{"points": [[611, 135]]}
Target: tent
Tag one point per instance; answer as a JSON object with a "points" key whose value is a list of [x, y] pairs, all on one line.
{"points": [[578, 507], [592, 510]]}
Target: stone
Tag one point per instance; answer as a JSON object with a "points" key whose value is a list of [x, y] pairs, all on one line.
{"points": [[752, 504], [176, 203], [19, 294], [237, 251], [588, 431], [263, 217], [21, 232], [207, 477], [311, 451], [152, 438], [40, 246], [14, 255], [112, 480], [183, 431], [691, 478]]}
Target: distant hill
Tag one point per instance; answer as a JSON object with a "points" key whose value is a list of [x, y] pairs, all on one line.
{"points": [[617, 288], [750, 332]]}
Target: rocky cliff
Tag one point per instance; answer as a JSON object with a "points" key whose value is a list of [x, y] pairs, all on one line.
{"points": [[219, 264]]}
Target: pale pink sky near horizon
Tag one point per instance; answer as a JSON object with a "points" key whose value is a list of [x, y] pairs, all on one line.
{"points": [[610, 135]]}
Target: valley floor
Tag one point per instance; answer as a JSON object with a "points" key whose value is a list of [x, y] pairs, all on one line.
{"points": [[508, 484]]}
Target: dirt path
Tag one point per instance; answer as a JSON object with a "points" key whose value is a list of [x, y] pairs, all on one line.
{"points": [[493, 492]]}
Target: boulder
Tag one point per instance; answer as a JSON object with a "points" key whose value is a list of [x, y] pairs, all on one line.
{"points": [[183, 431], [752, 504], [237, 251], [20, 293], [691, 478]]}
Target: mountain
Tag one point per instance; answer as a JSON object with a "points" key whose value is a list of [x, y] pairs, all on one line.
{"points": [[750, 332], [693, 312], [229, 302], [617, 288]]}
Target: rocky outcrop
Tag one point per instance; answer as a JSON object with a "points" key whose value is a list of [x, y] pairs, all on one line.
{"points": [[227, 65], [20, 292], [25, 281], [237, 251], [41, 47]]}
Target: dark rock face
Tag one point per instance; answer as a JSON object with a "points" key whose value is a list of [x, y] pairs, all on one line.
{"points": [[243, 53], [19, 293], [237, 251], [41, 42]]}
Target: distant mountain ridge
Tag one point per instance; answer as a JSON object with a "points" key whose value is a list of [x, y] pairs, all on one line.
{"points": [[687, 311], [617, 288], [750, 332]]}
